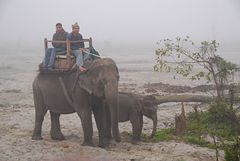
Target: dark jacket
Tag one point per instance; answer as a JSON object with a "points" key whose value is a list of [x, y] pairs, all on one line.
{"points": [[60, 36], [72, 37]]}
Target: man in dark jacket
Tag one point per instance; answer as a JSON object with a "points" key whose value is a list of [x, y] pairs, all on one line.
{"points": [[77, 48], [50, 54]]}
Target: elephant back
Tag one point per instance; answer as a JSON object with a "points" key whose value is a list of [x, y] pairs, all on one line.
{"points": [[104, 62], [102, 65]]}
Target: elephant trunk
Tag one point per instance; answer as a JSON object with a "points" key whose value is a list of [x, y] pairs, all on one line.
{"points": [[111, 95], [154, 118]]}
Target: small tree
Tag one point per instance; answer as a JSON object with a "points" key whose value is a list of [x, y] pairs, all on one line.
{"points": [[181, 56]]}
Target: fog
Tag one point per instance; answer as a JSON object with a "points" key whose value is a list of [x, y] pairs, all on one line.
{"points": [[121, 22]]}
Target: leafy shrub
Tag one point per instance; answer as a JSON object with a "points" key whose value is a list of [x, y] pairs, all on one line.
{"points": [[195, 140], [224, 120], [232, 151], [164, 134]]}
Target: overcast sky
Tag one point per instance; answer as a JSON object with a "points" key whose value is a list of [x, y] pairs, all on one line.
{"points": [[142, 21]]}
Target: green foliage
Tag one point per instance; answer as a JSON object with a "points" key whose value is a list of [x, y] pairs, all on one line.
{"points": [[194, 132], [192, 122], [164, 134], [232, 151], [191, 135], [181, 56], [219, 121], [223, 120], [194, 139]]}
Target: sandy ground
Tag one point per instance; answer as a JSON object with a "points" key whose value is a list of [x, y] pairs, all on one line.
{"points": [[17, 119]]}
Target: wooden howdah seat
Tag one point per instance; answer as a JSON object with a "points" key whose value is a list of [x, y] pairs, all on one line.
{"points": [[65, 60]]}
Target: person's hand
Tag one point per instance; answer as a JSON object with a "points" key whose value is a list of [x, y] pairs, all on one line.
{"points": [[81, 49], [82, 69]]}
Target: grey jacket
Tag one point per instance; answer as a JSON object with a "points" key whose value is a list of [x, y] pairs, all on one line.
{"points": [[60, 36]]}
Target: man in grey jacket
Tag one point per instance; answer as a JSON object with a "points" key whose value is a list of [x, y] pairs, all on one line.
{"points": [[50, 54]]}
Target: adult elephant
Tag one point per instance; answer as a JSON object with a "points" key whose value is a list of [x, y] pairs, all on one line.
{"points": [[81, 93]]}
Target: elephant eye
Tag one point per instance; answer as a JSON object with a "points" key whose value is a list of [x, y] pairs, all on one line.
{"points": [[104, 81], [100, 85]]}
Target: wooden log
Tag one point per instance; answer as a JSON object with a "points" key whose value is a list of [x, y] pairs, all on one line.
{"points": [[182, 98]]}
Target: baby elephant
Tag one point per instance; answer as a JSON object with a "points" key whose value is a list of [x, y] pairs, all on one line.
{"points": [[132, 107]]}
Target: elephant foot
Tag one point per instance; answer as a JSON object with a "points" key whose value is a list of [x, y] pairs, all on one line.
{"points": [[58, 136], [87, 143], [118, 139], [37, 137], [104, 143], [135, 140], [151, 136]]}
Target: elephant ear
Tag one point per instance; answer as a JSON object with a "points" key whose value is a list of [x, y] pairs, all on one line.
{"points": [[92, 82], [85, 83], [150, 101], [139, 105]]}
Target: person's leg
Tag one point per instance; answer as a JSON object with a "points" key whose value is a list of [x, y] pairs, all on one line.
{"points": [[79, 59], [86, 56], [47, 57], [52, 58]]}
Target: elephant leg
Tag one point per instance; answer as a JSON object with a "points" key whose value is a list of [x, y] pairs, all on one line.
{"points": [[56, 133], [40, 111], [137, 124], [37, 132], [107, 123], [154, 118], [85, 115], [99, 116]]}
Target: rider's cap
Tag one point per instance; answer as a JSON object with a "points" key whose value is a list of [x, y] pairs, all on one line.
{"points": [[75, 25]]}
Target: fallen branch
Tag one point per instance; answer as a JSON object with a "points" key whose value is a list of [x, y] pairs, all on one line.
{"points": [[159, 99], [182, 98]]}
